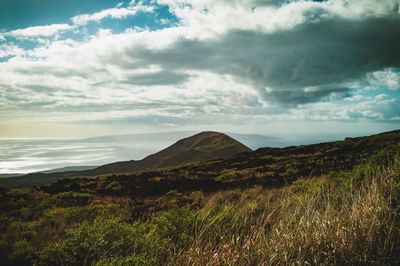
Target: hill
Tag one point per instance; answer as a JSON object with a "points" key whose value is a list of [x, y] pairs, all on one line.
{"points": [[270, 167], [262, 166], [68, 169], [253, 141], [9, 175], [333, 203], [198, 148]]}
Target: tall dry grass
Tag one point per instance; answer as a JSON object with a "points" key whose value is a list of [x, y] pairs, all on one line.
{"points": [[343, 220]]}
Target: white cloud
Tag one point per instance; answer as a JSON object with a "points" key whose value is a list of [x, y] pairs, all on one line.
{"points": [[48, 30], [115, 13], [208, 18], [10, 50], [388, 78], [89, 80]]}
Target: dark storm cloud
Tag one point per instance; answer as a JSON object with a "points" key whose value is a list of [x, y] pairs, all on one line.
{"points": [[321, 54], [158, 78], [302, 96]]}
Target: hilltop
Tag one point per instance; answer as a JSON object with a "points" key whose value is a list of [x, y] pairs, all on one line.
{"points": [[191, 150], [200, 147], [270, 167], [321, 204], [326, 203]]}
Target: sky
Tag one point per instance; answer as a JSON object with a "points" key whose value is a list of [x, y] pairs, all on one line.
{"points": [[81, 68]]}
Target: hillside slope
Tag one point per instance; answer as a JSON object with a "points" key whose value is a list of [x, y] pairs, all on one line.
{"points": [[198, 148], [333, 203], [268, 167]]}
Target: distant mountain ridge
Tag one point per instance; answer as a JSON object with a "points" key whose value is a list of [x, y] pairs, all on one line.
{"points": [[52, 171], [10, 175], [68, 169]]}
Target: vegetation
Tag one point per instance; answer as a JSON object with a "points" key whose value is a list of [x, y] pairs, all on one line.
{"points": [[350, 217], [312, 222], [337, 216]]}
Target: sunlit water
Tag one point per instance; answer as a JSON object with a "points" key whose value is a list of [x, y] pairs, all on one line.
{"points": [[23, 156]]}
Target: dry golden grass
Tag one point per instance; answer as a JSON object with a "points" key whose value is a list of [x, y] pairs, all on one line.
{"points": [[312, 222]]}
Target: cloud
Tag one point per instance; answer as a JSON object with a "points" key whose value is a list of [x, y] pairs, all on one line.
{"points": [[164, 77], [48, 30], [115, 13], [389, 78], [294, 61], [305, 63], [7, 50], [208, 18]]}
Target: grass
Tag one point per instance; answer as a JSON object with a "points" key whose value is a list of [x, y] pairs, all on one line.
{"points": [[312, 222], [343, 218]]}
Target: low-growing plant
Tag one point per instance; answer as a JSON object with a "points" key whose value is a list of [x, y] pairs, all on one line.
{"points": [[308, 225]]}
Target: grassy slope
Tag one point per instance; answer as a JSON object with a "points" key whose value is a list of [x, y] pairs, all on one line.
{"points": [[200, 147], [269, 167], [349, 218], [334, 216], [344, 218]]}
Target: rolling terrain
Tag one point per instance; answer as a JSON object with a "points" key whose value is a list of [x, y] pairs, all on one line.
{"points": [[269, 167], [321, 204], [200, 147], [251, 140], [49, 154], [52, 171]]}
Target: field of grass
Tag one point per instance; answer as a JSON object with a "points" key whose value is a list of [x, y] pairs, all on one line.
{"points": [[346, 217]]}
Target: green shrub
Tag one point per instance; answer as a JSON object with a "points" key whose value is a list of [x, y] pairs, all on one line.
{"points": [[73, 198], [226, 174], [88, 243], [109, 241], [114, 187], [22, 253]]}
